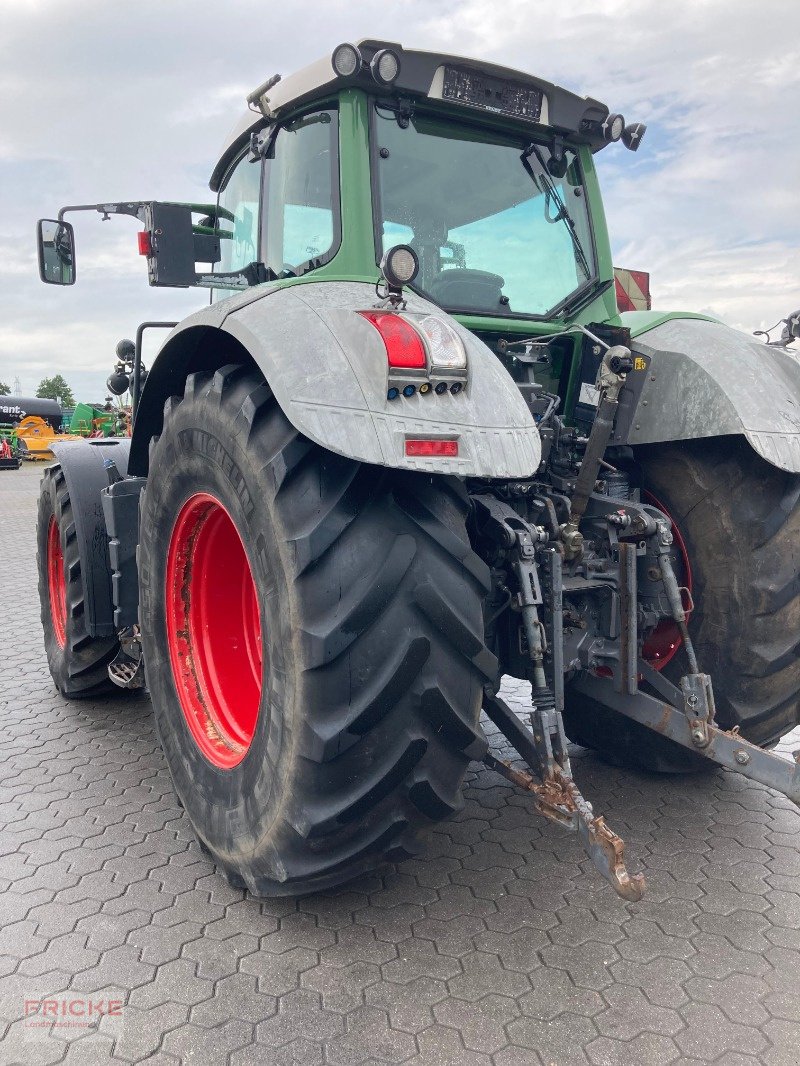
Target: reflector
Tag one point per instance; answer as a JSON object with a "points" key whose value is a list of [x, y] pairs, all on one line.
{"points": [[447, 448]]}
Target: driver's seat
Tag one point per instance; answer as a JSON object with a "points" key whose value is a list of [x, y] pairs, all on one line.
{"points": [[478, 290]]}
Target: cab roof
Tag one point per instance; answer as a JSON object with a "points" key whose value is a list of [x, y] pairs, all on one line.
{"points": [[473, 84]]}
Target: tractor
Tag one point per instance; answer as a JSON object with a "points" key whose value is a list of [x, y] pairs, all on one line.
{"points": [[410, 446]]}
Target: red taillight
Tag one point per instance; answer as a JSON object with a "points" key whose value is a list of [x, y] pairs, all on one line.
{"points": [[145, 245], [448, 448], [404, 348]]}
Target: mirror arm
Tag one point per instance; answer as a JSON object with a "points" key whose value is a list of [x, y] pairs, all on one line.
{"points": [[106, 210]]}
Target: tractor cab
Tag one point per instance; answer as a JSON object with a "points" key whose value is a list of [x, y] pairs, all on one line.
{"points": [[484, 171]]}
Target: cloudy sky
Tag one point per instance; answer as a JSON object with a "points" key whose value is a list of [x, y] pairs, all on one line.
{"points": [[119, 100]]}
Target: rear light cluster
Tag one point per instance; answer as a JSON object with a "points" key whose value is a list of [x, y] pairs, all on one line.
{"points": [[424, 354]]}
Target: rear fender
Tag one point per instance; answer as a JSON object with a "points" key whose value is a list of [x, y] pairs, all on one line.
{"points": [[82, 462], [327, 368], [701, 378]]}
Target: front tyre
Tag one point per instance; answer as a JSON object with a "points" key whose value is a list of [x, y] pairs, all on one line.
{"points": [[312, 631], [78, 662]]}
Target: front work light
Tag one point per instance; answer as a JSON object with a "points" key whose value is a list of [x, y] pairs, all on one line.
{"points": [[632, 135], [385, 66], [399, 266], [346, 60]]}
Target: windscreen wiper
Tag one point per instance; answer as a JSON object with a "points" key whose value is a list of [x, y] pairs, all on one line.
{"points": [[578, 299], [548, 187]]}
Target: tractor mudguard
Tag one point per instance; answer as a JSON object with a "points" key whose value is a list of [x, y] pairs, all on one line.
{"points": [[82, 462], [327, 367], [704, 379]]}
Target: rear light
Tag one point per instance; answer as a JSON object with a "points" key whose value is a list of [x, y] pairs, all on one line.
{"points": [[444, 344], [446, 448], [145, 245], [404, 347]]}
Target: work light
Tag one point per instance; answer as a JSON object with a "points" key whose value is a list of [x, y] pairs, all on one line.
{"points": [[632, 135], [613, 127], [385, 66], [346, 60], [399, 266]]}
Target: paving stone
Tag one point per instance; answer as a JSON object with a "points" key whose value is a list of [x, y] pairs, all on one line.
{"points": [[342, 987], [368, 1037], [709, 1034], [481, 1024], [218, 958], [409, 1006], [648, 1049], [552, 993], [191, 1042], [237, 996], [630, 1014]]}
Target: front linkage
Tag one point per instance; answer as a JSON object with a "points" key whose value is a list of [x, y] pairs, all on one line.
{"points": [[567, 604]]}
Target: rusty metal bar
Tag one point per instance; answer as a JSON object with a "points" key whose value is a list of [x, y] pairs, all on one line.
{"points": [[728, 749]]}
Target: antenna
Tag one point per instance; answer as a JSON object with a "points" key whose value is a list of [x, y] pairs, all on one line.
{"points": [[17, 387]]}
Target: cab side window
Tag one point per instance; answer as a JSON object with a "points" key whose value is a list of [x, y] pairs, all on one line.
{"points": [[301, 202], [238, 225]]}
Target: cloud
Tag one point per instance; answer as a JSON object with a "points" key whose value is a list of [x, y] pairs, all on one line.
{"points": [[100, 104]]}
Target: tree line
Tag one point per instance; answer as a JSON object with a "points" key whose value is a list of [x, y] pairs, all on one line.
{"points": [[54, 388]]}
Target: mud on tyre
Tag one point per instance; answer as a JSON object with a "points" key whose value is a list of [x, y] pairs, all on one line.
{"points": [[361, 600]]}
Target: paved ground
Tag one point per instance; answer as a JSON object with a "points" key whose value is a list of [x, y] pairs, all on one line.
{"points": [[499, 947]]}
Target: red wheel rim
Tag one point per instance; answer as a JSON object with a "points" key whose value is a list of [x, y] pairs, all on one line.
{"points": [[663, 643], [213, 630], [56, 582]]}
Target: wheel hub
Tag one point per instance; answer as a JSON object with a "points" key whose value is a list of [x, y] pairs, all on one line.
{"points": [[56, 582], [214, 630], [663, 643]]}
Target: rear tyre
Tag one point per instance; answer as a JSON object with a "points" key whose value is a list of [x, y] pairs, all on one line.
{"points": [[313, 637], [78, 662], [740, 519]]}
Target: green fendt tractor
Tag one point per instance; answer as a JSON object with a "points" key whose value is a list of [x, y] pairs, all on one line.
{"points": [[412, 446]]}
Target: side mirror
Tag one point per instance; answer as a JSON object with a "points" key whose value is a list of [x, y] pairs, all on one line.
{"points": [[56, 245]]}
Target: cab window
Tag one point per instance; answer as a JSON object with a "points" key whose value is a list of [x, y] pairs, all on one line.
{"points": [[238, 225], [301, 216]]}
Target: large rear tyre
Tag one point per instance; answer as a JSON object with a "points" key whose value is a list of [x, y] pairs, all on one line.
{"points": [[740, 520], [313, 638], [78, 662]]}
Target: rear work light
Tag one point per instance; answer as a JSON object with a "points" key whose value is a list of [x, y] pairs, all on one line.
{"points": [[446, 448], [404, 347]]}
